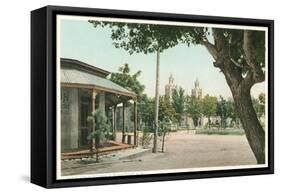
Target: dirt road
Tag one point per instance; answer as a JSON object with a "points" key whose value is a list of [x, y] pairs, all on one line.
{"points": [[183, 150]]}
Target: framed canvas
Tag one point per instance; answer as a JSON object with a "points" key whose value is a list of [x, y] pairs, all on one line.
{"points": [[125, 96]]}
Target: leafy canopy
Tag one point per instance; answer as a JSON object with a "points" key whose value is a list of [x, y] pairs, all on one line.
{"points": [[194, 108], [149, 38], [127, 80], [209, 105]]}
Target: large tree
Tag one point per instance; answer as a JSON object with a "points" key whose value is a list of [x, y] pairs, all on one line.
{"points": [[239, 54]]}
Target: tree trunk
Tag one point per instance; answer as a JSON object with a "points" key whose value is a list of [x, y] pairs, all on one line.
{"points": [[241, 92], [253, 129], [154, 150], [163, 141], [241, 87]]}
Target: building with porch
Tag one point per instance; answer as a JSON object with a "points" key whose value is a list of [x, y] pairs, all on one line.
{"points": [[85, 88]]}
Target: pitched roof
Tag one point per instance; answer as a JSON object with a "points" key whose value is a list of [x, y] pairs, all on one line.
{"points": [[73, 63], [77, 77]]}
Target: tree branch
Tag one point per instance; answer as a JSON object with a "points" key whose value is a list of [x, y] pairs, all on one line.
{"points": [[256, 75], [248, 48], [211, 48], [236, 63]]}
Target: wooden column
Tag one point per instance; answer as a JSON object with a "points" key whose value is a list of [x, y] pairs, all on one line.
{"points": [[114, 122], [135, 122], [123, 124], [94, 94]]}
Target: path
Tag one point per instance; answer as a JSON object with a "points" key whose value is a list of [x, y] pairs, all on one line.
{"points": [[183, 150]]}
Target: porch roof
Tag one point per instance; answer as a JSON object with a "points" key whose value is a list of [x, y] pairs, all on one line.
{"points": [[74, 77]]}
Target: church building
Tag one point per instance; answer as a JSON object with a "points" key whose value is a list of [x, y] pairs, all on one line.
{"points": [[196, 91], [170, 87]]}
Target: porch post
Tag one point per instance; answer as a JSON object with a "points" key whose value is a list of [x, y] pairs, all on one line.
{"points": [[114, 122], [123, 124], [135, 122], [94, 94]]}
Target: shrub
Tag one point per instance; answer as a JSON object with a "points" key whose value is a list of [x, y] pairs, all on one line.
{"points": [[220, 131]]}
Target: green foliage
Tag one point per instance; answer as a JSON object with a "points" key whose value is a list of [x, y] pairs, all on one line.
{"points": [[166, 111], [194, 108], [164, 126], [128, 81], [146, 107], [225, 109], [146, 137], [232, 111], [220, 131], [262, 98], [209, 106], [102, 128], [259, 105], [147, 38], [164, 129], [234, 39], [178, 102]]}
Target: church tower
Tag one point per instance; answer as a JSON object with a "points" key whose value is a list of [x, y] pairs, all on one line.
{"points": [[196, 91], [170, 87]]}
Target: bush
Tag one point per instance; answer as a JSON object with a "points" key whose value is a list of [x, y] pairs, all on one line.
{"points": [[102, 128], [220, 131]]}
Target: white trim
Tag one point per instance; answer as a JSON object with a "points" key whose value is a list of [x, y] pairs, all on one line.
{"points": [[173, 23], [84, 18]]}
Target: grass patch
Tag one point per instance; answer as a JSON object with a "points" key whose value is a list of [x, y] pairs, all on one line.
{"points": [[220, 131]]}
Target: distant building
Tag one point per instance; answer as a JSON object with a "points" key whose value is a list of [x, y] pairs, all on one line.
{"points": [[170, 87], [196, 91]]}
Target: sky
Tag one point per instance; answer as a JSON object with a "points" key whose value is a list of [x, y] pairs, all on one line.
{"points": [[81, 41]]}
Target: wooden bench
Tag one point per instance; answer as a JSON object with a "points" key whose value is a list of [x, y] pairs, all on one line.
{"points": [[129, 137]]}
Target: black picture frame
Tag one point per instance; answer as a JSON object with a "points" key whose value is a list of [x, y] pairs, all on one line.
{"points": [[43, 96]]}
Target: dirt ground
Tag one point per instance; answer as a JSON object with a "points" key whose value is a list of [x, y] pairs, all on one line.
{"points": [[183, 150]]}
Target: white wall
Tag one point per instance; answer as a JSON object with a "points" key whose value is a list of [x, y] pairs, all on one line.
{"points": [[15, 98], [69, 118]]}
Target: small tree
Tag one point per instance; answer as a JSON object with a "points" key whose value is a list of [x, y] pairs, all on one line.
{"points": [[259, 105], [178, 99], [225, 109], [102, 130], [232, 113], [146, 112], [194, 109], [166, 110], [209, 107], [165, 127], [146, 138]]}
